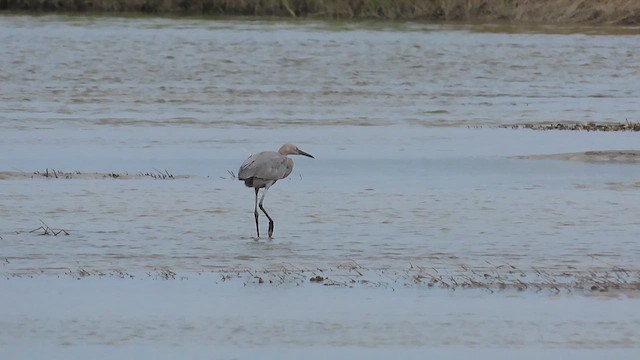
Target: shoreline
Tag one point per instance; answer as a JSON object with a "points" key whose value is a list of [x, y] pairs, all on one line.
{"points": [[605, 281], [564, 12], [576, 126], [594, 156]]}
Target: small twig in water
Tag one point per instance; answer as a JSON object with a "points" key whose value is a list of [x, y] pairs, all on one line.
{"points": [[46, 230]]}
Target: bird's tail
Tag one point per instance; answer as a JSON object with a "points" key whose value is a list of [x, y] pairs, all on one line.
{"points": [[248, 182]]}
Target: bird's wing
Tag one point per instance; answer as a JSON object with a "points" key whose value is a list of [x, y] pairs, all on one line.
{"points": [[266, 165], [247, 168], [289, 168]]}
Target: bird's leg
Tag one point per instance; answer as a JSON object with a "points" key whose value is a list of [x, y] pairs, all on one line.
{"points": [[255, 213], [265, 212]]}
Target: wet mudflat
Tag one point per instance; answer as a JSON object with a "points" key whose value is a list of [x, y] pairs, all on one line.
{"points": [[421, 225]]}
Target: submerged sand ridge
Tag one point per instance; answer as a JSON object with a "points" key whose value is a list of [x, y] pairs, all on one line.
{"points": [[598, 156]]}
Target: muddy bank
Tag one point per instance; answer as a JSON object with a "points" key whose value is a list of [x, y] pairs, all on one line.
{"points": [[605, 156], [621, 12], [611, 280], [576, 126], [59, 174]]}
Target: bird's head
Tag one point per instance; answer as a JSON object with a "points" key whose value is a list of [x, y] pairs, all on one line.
{"points": [[289, 149]]}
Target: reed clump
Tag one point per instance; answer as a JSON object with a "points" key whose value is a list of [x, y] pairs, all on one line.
{"points": [[622, 12], [577, 126]]}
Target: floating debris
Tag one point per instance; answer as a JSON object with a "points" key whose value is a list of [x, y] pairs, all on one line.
{"points": [[46, 230]]}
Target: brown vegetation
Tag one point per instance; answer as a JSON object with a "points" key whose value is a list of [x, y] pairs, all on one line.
{"points": [[491, 278], [577, 126], [623, 12], [58, 174], [600, 278]]}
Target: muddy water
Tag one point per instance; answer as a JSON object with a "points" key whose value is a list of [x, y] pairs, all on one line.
{"points": [[82, 71], [410, 175], [390, 186]]}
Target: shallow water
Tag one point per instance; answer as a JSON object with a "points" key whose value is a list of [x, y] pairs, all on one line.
{"points": [[216, 74], [410, 171], [448, 198], [195, 97], [165, 318]]}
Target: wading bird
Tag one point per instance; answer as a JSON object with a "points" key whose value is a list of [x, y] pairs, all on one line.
{"points": [[262, 170]]}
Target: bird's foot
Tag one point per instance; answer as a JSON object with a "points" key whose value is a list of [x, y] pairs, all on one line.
{"points": [[270, 229]]}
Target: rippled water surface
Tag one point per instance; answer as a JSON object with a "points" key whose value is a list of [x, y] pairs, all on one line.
{"points": [[96, 71], [410, 170], [389, 185]]}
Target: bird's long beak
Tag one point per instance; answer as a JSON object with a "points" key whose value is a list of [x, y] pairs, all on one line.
{"points": [[300, 152]]}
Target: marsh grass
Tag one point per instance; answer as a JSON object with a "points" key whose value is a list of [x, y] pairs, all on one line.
{"points": [[59, 174], [491, 278], [626, 12], [577, 126], [607, 279]]}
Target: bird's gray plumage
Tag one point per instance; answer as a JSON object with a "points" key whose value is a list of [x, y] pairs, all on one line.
{"points": [[262, 170]]}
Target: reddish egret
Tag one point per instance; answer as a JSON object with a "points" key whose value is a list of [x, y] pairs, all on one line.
{"points": [[262, 170]]}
